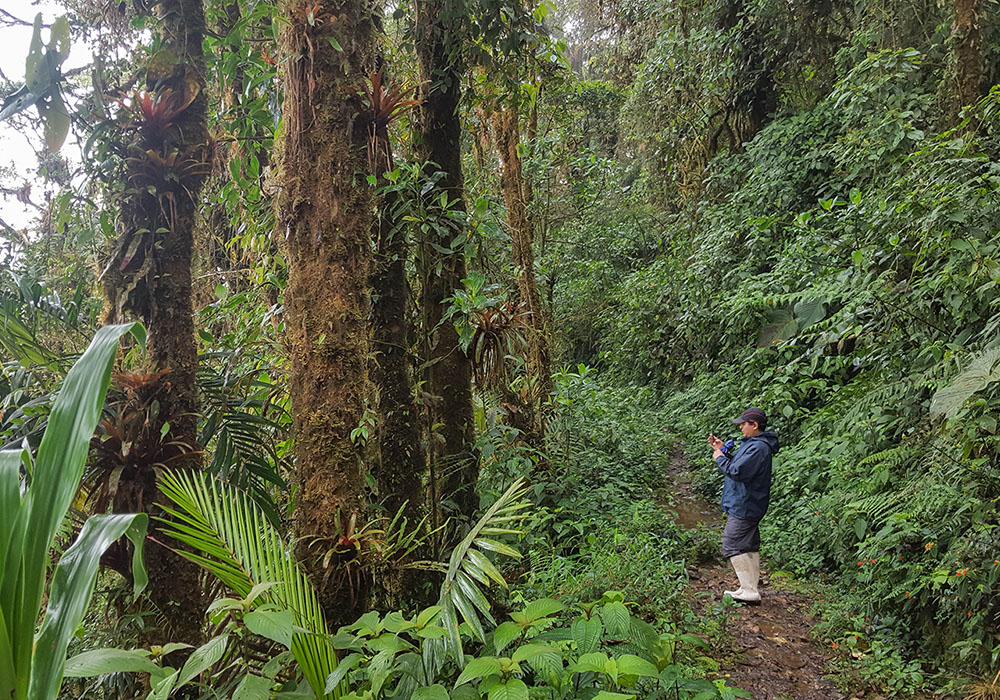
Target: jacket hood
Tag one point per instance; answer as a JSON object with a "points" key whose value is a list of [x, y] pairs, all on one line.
{"points": [[768, 436]]}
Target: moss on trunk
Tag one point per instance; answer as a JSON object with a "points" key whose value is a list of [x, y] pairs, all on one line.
{"points": [[400, 468], [149, 277], [325, 215]]}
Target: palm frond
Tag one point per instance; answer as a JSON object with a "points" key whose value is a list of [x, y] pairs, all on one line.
{"points": [[236, 543], [469, 567]]}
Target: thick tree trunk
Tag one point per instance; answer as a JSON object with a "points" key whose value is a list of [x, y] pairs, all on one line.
{"points": [[449, 373], [967, 38], [149, 278], [399, 473], [325, 215], [522, 233]]}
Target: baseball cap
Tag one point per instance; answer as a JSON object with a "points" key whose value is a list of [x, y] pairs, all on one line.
{"points": [[755, 414]]}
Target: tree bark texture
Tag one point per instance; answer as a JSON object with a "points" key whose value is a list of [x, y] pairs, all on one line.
{"points": [[967, 38], [149, 278], [522, 233], [449, 373], [325, 214], [399, 473]]}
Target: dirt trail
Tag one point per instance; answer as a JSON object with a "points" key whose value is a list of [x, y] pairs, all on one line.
{"points": [[772, 654]]}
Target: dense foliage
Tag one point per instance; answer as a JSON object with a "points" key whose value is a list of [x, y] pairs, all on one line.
{"points": [[435, 249]]}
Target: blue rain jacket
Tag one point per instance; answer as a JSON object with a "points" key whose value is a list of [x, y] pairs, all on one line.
{"points": [[747, 489]]}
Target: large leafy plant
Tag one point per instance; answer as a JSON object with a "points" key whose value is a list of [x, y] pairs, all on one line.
{"points": [[33, 505], [233, 540]]}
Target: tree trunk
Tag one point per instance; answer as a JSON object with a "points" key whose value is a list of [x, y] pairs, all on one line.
{"points": [[522, 234], [399, 473], [149, 278], [449, 373], [967, 37], [325, 215]]}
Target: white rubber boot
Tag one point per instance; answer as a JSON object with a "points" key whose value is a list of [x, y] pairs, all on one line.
{"points": [[747, 567]]}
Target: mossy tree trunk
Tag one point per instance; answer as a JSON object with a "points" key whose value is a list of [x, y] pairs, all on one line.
{"points": [[400, 468], [449, 372], [149, 278], [969, 57], [325, 215], [517, 193]]}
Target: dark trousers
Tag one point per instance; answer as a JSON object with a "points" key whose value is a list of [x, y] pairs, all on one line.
{"points": [[740, 536]]}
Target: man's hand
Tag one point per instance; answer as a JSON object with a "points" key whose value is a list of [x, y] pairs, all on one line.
{"points": [[716, 444]]}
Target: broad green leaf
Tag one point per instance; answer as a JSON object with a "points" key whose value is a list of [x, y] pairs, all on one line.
{"points": [[810, 311], [616, 619], [203, 658], [100, 661], [55, 118], [253, 688], [781, 326], [530, 651], [605, 695], [587, 634], [479, 668], [430, 692], [543, 607], [549, 667], [35, 73], [504, 634], [162, 689], [465, 692], [426, 616], [72, 586], [981, 372], [55, 477], [59, 38], [632, 665], [272, 624], [514, 689], [595, 662], [346, 665]]}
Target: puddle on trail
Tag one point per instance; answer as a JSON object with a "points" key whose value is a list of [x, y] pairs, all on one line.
{"points": [[691, 511]]}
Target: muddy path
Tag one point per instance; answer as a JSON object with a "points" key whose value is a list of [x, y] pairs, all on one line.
{"points": [[771, 653]]}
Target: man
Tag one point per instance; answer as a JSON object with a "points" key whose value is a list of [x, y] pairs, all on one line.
{"points": [[745, 496]]}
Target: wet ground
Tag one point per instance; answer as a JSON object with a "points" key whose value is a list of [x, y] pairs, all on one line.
{"points": [[772, 654]]}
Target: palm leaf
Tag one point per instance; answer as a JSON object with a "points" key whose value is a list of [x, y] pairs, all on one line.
{"points": [[237, 544], [461, 593]]}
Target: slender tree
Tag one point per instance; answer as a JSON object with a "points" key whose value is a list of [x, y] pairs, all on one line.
{"points": [[438, 143], [149, 277], [325, 214], [517, 197], [969, 53], [400, 465]]}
